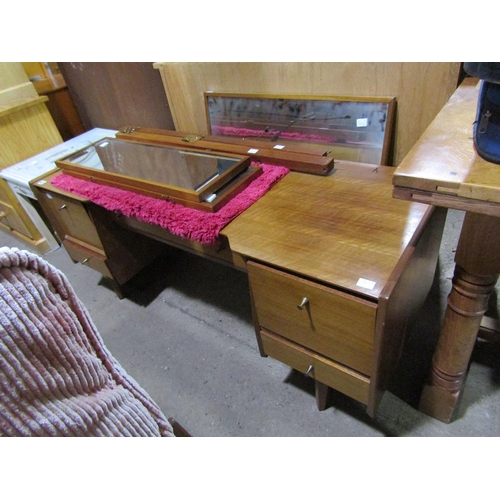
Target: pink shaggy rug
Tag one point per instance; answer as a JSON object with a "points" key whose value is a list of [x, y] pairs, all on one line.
{"points": [[189, 223]]}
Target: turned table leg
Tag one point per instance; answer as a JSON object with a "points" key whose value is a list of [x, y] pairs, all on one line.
{"points": [[476, 273]]}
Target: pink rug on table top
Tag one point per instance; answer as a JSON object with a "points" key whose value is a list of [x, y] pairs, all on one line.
{"points": [[185, 222]]}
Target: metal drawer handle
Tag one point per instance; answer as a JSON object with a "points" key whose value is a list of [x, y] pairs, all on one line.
{"points": [[62, 207], [310, 369], [3, 215], [303, 304], [85, 260]]}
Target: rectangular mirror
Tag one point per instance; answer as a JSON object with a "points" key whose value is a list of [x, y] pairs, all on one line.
{"points": [[349, 128], [191, 177]]}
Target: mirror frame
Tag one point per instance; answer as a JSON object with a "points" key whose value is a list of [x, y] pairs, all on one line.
{"points": [[334, 147], [225, 185]]}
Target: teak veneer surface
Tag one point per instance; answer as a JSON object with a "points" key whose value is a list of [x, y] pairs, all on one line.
{"points": [[335, 229], [347, 381], [443, 168], [332, 323], [309, 236]]}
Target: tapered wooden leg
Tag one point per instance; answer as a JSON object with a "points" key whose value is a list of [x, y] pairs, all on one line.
{"points": [[476, 273], [118, 289], [321, 391]]}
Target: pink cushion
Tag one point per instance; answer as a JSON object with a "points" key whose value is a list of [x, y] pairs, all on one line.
{"points": [[57, 378]]}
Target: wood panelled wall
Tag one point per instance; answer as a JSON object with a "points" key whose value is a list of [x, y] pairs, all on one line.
{"points": [[421, 89]]}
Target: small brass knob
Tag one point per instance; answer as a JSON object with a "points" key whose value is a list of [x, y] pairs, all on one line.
{"points": [[303, 304], [3, 215], [84, 261], [62, 207]]}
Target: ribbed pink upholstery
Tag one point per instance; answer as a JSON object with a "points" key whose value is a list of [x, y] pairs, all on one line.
{"points": [[57, 378]]}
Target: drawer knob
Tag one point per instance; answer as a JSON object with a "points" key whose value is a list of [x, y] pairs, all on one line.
{"points": [[303, 304], [84, 261], [310, 370], [62, 207]]}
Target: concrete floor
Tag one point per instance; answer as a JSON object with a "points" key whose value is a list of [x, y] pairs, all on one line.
{"points": [[186, 335]]}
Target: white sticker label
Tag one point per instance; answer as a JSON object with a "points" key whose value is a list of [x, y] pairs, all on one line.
{"points": [[252, 151], [41, 183], [48, 195], [362, 122], [279, 146], [365, 283]]}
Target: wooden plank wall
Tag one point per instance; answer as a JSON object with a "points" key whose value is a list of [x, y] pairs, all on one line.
{"points": [[421, 89]]}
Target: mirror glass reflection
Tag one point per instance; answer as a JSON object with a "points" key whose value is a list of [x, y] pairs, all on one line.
{"points": [[357, 129], [183, 169]]}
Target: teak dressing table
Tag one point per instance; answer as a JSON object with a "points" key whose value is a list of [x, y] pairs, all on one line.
{"points": [[337, 267], [444, 170]]}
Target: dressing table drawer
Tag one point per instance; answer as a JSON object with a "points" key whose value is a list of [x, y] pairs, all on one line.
{"points": [[322, 369], [91, 235], [72, 218], [85, 254], [331, 323]]}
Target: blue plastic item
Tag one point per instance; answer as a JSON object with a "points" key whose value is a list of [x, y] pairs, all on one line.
{"points": [[487, 125]]}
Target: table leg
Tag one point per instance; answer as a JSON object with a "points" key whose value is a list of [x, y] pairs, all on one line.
{"points": [[321, 391], [476, 273]]}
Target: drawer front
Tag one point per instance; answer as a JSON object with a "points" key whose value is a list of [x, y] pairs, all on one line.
{"points": [[333, 324], [91, 257], [323, 370], [71, 218]]}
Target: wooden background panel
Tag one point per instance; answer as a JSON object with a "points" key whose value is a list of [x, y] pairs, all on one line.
{"points": [[15, 87], [114, 94], [25, 133], [421, 89], [11, 75], [26, 127]]}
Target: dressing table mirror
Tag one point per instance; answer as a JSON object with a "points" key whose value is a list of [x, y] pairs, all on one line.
{"points": [[349, 128], [202, 180]]}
